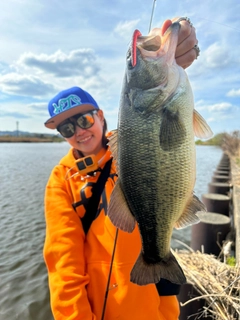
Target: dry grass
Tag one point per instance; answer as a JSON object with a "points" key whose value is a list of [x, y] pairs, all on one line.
{"points": [[216, 282], [235, 171], [231, 144], [231, 147]]}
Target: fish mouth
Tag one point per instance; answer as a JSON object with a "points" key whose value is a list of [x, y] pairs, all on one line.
{"points": [[152, 45]]}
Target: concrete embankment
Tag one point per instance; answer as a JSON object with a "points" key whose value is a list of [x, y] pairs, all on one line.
{"points": [[213, 283], [216, 232], [235, 179]]}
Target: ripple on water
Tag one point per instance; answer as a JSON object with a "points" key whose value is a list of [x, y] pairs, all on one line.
{"points": [[24, 171]]}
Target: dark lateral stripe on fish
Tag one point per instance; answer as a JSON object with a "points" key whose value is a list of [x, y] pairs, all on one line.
{"points": [[172, 131]]}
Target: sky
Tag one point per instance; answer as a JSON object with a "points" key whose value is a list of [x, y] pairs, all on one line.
{"points": [[49, 46]]}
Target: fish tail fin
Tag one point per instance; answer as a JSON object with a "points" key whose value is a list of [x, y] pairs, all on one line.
{"points": [[144, 273]]}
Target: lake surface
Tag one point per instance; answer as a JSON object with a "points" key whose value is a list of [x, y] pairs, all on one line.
{"points": [[24, 171]]}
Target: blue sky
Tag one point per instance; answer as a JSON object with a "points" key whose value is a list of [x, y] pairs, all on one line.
{"points": [[47, 46]]}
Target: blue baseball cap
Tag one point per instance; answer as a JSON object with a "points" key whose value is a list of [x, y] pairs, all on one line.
{"points": [[68, 103]]}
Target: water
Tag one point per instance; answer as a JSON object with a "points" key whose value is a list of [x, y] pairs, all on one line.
{"points": [[208, 157], [24, 171]]}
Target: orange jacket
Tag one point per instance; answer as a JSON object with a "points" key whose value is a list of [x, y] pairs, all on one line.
{"points": [[78, 265]]}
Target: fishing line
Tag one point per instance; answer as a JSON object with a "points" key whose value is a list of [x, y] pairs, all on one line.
{"points": [[116, 235], [222, 24], [153, 7]]}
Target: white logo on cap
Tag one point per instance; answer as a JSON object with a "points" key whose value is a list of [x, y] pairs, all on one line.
{"points": [[66, 103]]}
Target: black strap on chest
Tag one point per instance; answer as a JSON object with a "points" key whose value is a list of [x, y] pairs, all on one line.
{"points": [[97, 189]]}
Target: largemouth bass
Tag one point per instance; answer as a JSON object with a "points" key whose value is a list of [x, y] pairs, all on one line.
{"points": [[155, 152]]}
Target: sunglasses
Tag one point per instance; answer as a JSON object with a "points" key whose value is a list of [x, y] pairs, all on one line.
{"points": [[84, 121]]}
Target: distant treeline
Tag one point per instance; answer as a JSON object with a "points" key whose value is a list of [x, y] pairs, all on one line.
{"points": [[229, 142], [31, 138], [217, 140]]}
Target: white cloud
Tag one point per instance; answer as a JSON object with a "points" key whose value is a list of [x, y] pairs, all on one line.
{"points": [[209, 120], [47, 46], [221, 107], [41, 75], [125, 28], [216, 56], [77, 62], [24, 85], [233, 93]]}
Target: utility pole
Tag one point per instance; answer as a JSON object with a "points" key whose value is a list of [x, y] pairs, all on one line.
{"points": [[17, 131]]}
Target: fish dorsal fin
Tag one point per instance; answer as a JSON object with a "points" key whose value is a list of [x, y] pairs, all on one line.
{"points": [[118, 211], [200, 127], [189, 216], [113, 145]]}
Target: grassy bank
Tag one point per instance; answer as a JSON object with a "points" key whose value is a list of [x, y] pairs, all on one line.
{"points": [[28, 139]]}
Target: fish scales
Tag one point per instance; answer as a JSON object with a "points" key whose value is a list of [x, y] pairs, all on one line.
{"points": [[155, 156], [155, 172]]}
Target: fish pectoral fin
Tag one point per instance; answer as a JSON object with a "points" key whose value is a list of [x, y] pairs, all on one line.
{"points": [[119, 212], [189, 216], [113, 144], [200, 126], [172, 131], [144, 273]]}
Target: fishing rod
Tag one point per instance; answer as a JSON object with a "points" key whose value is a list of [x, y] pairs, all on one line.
{"points": [[109, 276], [116, 235], [153, 7]]}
